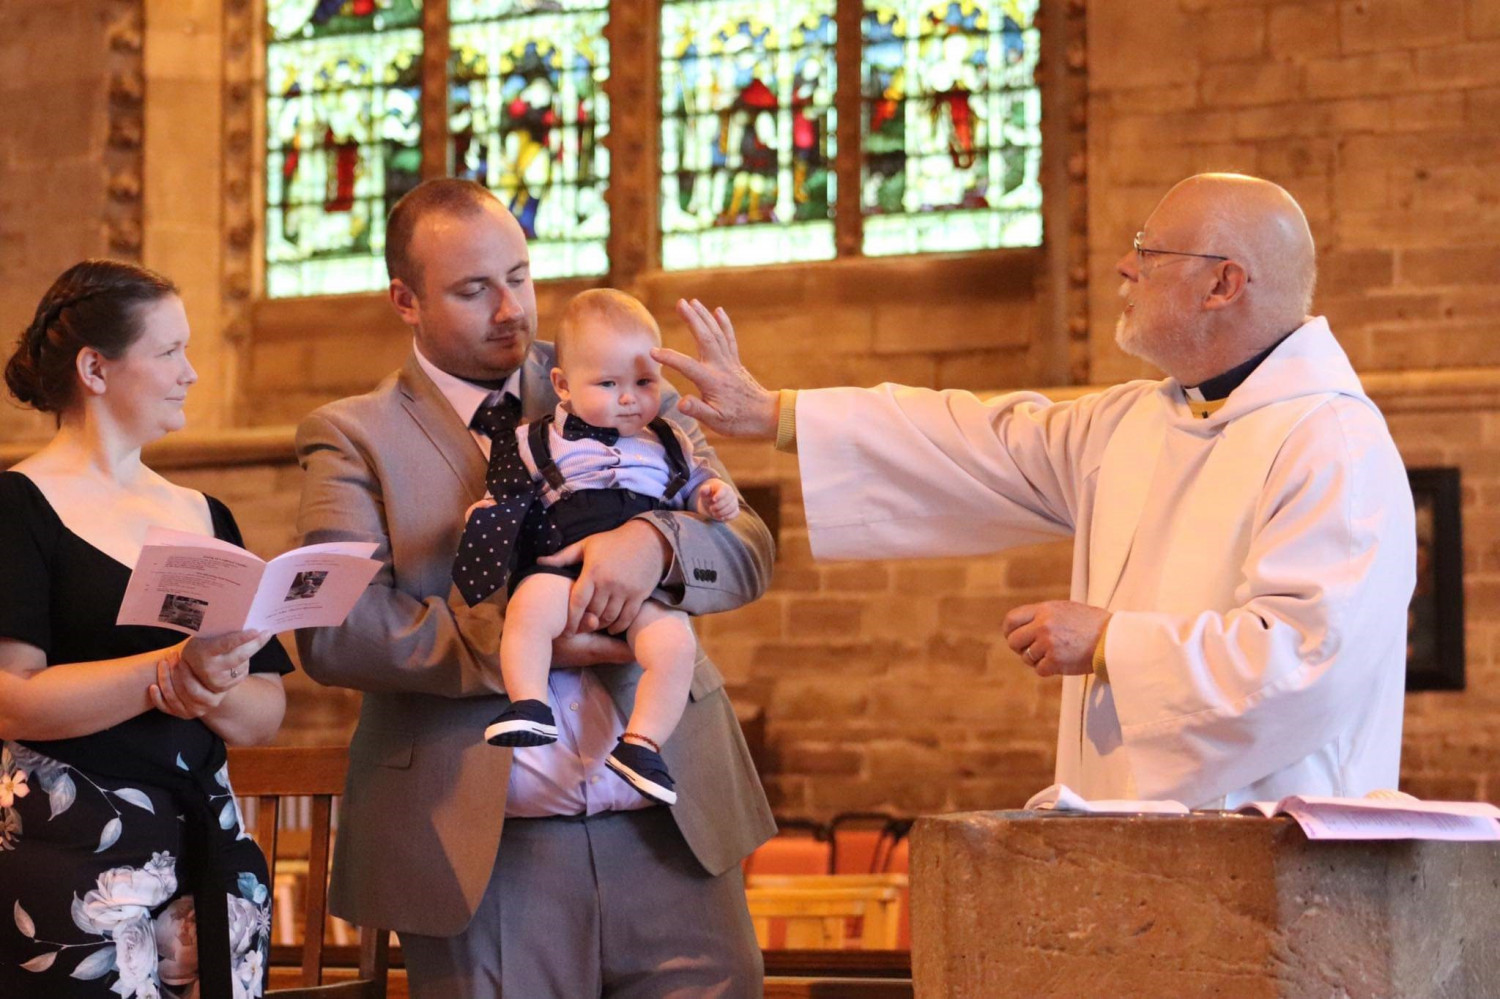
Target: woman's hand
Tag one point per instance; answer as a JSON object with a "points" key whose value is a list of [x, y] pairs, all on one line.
{"points": [[223, 661], [193, 678], [179, 693]]}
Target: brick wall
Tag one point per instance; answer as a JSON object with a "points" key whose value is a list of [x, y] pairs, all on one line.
{"points": [[1381, 116], [54, 130], [967, 321], [886, 684]]}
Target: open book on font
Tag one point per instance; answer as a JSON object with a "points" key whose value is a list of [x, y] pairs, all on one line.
{"points": [[1382, 816], [197, 584], [1379, 815]]}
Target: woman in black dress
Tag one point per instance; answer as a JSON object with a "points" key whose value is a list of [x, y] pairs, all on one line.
{"points": [[121, 849]]}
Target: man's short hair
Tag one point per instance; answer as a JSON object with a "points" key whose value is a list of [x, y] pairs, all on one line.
{"points": [[442, 195], [614, 309]]}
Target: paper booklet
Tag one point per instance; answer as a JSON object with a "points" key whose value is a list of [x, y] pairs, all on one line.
{"points": [[1382, 817], [1062, 798], [198, 584]]}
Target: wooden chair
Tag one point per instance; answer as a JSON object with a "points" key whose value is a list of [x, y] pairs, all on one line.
{"points": [[864, 842], [816, 911], [270, 774], [800, 846]]}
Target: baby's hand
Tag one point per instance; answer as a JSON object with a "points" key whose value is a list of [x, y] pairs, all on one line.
{"points": [[488, 501], [717, 500]]}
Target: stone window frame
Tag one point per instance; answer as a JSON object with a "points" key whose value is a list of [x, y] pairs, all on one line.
{"points": [[1057, 270]]}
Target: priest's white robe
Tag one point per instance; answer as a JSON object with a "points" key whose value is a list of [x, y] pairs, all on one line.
{"points": [[1258, 564]]}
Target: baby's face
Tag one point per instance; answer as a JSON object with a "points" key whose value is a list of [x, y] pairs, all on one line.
{"points": [[609, 379]]}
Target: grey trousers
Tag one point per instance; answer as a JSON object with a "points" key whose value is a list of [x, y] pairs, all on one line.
{"points": [[614, 905]]}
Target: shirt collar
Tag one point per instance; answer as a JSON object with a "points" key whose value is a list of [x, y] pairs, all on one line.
{"points": [[464, 396], [1219, 386]]}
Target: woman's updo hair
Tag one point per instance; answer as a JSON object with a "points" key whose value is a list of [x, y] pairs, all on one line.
{"points": [[95, 303]]}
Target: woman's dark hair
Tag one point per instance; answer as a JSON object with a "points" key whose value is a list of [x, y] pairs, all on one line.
{"points": [[95, 303]]}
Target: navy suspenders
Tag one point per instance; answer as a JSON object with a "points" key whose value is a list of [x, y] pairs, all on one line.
{"points": [[538, 439]]}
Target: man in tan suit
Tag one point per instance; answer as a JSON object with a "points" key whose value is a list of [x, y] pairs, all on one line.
{"points": [[590, 890]]}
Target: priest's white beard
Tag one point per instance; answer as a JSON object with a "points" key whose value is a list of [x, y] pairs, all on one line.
{"points": [[1163, 336]]}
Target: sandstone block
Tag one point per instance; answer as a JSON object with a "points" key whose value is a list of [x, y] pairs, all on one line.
{"points": [[1009, 904], [1390, 24]]}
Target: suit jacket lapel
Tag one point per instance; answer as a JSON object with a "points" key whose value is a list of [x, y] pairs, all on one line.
{"points": [[537, 396], [435, 416], [1120, 496]]}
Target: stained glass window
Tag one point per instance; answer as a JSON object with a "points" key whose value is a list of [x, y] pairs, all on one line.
{"points": [[528, 117], [342, 138], [952, 126], [747, 131]]}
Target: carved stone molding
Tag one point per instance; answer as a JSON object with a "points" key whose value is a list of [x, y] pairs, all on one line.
{"points": [[1061, 342], [1076, 295], [124, 162], [634, 142], [241, 193], [1405, 392]]}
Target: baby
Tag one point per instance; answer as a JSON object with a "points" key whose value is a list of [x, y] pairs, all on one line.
{"points": [[602, 458]]}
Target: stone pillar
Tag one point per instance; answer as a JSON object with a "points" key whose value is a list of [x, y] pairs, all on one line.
{"points": [[183, 186], [1015, 904]]}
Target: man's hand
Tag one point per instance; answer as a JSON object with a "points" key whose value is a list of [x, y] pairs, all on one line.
{"points": [[1056, 638], [620, 569], [589, 649], [733, 403], [716, 499]]}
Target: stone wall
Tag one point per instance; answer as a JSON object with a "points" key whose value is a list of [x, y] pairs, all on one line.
{"points": [[887, 684], [70, 171], [1381, 116]]}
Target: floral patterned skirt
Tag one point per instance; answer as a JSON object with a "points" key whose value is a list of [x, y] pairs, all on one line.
{"points": [[90, 903]]}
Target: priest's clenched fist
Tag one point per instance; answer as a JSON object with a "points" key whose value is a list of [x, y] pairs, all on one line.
{"points": [[1057, 637]]}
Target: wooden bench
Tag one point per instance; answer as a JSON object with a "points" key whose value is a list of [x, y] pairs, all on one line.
{"points": [[818, 911], [269, 775]]}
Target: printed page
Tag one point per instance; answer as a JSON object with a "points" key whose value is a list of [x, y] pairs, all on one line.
{"points": [[358, 549], [166, 537], [1061, 798], [1360, 819], [312, 587], [1263, 808], [190, 583]]}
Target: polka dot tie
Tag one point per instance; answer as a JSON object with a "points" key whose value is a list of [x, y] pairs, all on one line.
{"points": [[517, 523]]}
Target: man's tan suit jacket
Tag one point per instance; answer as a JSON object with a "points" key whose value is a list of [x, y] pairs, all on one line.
{"points": [[420, 823]]}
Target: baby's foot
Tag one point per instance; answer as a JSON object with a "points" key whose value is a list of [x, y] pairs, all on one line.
{"points": [[645, 771], [524, 723]]}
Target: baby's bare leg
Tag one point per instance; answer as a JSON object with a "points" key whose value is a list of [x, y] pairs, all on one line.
{"points": [[663, 642], [536, 614]]}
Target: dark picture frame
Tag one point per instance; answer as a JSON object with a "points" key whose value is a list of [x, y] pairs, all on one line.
{"points": [[1435, 622]]}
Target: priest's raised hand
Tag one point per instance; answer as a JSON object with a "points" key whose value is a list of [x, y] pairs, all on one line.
{"points": [[731, 402]]}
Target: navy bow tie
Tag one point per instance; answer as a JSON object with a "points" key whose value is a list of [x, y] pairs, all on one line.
{"points": [[575, 429]]}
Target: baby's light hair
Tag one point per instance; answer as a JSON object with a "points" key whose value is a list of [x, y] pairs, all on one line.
{"points": [[614, 310]]}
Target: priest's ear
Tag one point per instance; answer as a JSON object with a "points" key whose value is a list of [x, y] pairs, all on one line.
{"points": [[1230, 281]]}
